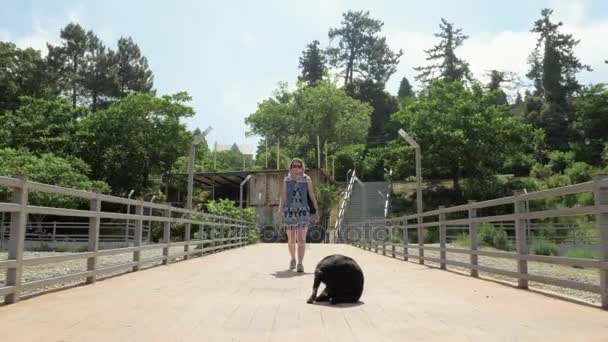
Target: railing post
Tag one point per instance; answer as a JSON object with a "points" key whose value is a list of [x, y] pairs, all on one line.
{"points": [[521, 241], [54, 230], [167, 235], [187, 236], [420, 240], [406, 241], [473, 236], [393, 240], [137, 239], [94, 225], [17, 241], [600, 195], [2, 230], [200, 235], [384, 239], [442, 234]]}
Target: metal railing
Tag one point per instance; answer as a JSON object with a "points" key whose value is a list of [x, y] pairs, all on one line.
{"points": [[395, 233], [345, 199], [214, 233]]}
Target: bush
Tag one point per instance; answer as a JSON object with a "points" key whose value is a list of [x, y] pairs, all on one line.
{"points": [[501, 241], [541, 246], [484, 188], [583, 253], [463, 240], [485, 235], [431, 235]]}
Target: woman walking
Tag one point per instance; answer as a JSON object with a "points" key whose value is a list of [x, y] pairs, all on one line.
{"points": [[295, 210]]}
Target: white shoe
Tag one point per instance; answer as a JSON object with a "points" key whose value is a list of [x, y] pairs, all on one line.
{"points": [[292, 264], [300, 268]]}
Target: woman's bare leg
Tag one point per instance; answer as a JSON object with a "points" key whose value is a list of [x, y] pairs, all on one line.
{"points": [[301, 237], [291, 243]]}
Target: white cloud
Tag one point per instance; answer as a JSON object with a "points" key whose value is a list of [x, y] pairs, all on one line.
{"points": [[47, 29], [508, 50], [570, 11]]}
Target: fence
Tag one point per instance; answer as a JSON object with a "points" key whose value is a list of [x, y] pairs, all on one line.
{"points": [[214, 233], [372, 234]]}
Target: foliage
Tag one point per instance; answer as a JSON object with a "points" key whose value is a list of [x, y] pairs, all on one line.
{"points": [[360, 50], [582, 253], [296, 119], [41, 126], [135, 137], [229, 208], [313, 64], [49, 169], [449, 67], [553, 69], [22, 73], [542, 246], [461, 134], [591, 125]]}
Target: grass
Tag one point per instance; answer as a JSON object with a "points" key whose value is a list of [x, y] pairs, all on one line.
{"points": [[583, 253], [541, 246]]}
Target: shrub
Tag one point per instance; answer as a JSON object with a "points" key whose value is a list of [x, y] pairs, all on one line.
{"points": [[463, 240], [485, 235], [501, 240], [583, 253], [542, 246]]}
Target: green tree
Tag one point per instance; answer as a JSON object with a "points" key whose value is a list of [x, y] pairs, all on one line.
{"points": [[49, 169], [360, 50], [133, 73], [136, 137], [312, 63], [405, 89], [22, 73], [553, 68], [447, 67], [497, 78], [462, 134], [68, 61], [296, 119], [99, 74], [383, 104], [591, 124], [41, 126]]}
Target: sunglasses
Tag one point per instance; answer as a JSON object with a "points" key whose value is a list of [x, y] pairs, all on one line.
{"points": [[299, 166]]}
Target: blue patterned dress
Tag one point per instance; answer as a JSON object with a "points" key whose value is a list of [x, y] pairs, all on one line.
{"points": [[296, 212]]}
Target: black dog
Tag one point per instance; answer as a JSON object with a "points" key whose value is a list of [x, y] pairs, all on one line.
{"points": [[342, 277]]}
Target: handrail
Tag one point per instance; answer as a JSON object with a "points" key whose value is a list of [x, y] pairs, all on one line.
{"points": [[387, 232], [215, 232], [345, 200]]}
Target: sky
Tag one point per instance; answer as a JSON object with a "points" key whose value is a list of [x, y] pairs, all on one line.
{"points": [[230, 55]]}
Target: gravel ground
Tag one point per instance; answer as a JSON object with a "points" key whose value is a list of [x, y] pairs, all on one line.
{"points": [[587, 276], [33, 273]]}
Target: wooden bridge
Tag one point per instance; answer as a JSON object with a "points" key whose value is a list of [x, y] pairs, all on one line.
{"points": [[230, 289]]}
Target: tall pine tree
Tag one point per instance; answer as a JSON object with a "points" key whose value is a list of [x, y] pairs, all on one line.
{"points": [[133, 74], [312, 63], [553, 68], [360, 50], [447, 66], [68, 61], [405, 89]]}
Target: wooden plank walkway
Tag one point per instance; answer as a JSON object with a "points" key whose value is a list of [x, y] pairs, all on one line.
{"points": [[246, 294]]}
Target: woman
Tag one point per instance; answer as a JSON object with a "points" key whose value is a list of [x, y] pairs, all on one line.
{"points": [[295, 210]]}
